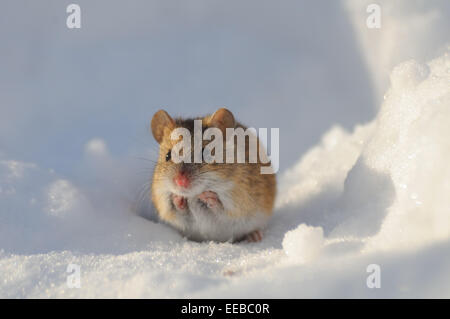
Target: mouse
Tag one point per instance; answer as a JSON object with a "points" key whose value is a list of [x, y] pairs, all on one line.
{"points": [[210, 201]]}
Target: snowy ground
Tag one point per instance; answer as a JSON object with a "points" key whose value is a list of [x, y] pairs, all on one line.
{"points": [[369, 191]]}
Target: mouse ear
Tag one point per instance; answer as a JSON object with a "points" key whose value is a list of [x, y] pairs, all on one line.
{"points": [[222, 118], [161, 121]]}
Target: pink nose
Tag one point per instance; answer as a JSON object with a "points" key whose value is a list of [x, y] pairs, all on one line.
{"points": [[182, 180]]}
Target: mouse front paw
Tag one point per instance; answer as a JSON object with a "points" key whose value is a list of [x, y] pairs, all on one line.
{"points": [[210, 199], [179, 202]]}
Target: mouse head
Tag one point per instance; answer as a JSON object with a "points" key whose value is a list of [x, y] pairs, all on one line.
{"points": [[184, 178]]}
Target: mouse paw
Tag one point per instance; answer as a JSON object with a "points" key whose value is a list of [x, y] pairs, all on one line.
{"points": [[179, 202], [255, 236], [210, 199]]}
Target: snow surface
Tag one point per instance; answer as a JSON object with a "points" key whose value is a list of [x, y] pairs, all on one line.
{"points": [[376, 193]]}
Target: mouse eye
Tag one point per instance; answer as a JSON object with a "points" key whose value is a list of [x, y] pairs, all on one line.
{"points": [[168, 156]]}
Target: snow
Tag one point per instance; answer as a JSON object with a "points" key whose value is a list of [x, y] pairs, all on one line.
{"points": [[304, 244], [367, 192], [96, 147]]}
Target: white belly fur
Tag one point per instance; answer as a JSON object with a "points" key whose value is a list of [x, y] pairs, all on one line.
{"points": [[203, 223]]}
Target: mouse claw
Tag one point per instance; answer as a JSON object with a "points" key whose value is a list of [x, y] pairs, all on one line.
{"points": [[255, 236]]}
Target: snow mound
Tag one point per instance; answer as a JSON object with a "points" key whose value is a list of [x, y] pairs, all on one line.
{"points": [[304, 243], [411, 144], [387, 184], [96, 147]]}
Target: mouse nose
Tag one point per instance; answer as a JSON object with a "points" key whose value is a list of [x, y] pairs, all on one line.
{"points": [[182, 180]]}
